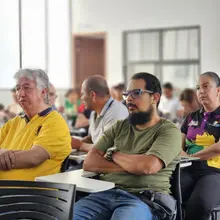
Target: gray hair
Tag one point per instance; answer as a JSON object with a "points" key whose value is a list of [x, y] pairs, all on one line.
{"points": [[37, 75], [213, 76]]}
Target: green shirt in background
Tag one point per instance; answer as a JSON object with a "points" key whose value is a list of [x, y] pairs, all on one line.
{"points": [[162, 140], [70, 108]]}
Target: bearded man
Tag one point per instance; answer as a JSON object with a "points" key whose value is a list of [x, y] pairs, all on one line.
{"points": [[139, 155]]}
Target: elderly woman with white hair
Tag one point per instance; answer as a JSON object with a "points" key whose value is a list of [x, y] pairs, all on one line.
{"points": [[37, 142]]}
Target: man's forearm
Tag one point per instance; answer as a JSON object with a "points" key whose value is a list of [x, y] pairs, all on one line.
{"points": [[138, 164], [209, 153], [97, 163], [23, 159], [86, 147], [87, 144], [183, 153], [131, 163], [26, 159], [87, 140]]}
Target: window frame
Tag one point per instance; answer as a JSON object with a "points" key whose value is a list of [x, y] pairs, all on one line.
{"points": [[158, 64]]}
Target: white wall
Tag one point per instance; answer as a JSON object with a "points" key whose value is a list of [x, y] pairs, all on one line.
{"points": [[116, 16]]}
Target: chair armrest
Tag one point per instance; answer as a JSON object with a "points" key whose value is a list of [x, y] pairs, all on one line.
{"points": [[217, 208]]}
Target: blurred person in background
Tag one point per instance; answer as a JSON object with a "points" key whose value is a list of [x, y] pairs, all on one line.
{"points": [[72, 106], [4, 115], [189, 101], [116, 92], [82, 120], [169, 106], [14, 108], [52, 96]]}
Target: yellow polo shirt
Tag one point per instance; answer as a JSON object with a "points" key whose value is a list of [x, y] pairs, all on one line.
{"points": [[47, 129]]}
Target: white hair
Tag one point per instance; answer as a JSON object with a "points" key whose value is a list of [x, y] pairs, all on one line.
{"points": [[37, 75]]}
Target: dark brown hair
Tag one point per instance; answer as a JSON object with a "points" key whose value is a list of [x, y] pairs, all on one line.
{"points": [[188, 95]]}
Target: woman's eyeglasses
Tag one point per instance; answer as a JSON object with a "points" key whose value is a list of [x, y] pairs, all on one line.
{"points": [[136, 93]]}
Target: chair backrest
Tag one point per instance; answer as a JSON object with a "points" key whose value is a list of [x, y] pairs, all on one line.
{"points": [[215, 213], [36, 200], [176, 191], [65, 165]]}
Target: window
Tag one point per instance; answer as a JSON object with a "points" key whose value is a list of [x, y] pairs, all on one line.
{"points": [[172, 54]]}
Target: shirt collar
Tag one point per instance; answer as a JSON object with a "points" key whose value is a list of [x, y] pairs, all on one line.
{"points": [[106, 106], [216, 112], [41, 114], [45, 112]]}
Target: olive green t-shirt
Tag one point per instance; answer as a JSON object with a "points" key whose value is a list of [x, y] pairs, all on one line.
{"points": [[162, 140]]}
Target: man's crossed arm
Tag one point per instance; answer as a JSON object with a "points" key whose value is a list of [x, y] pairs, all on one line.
{"points": [[10, 159], [138, 164]]}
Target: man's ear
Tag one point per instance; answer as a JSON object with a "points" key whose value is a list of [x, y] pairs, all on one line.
{"points": [[93, 95], [45, 91], [218, 91], [156, 98]]}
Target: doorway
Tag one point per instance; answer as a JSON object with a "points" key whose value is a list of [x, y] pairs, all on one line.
{"points": [[89, 54]]}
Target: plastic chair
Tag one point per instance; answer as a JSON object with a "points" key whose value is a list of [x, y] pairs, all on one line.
{"points": [[36, 200], [216, 213]]}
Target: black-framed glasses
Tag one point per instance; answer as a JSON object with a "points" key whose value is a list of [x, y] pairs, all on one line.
{"points": [[135, 93]]}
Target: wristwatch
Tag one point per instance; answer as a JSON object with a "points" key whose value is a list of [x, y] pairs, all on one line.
{"points": [[110, 152]]}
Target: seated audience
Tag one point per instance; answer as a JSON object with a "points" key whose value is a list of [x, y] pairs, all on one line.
{"points": [[4, 115], [169, 106], [139, 155], [189, 101], [52, 95], [106, 110], [36, 143], [201, 135], [82, 121], [116, 92], [73, 105], [14, 108]]}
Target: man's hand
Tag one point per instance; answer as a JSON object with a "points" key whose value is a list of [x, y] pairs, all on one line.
{"points": [[76, 143], [7, 159], [183, 153]]}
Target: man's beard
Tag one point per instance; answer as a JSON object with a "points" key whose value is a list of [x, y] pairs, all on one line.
{"points": [[140, 118]]}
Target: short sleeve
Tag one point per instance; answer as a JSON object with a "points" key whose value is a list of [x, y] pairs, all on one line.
{"points": [[184, 126], [91, 120], [109, 121], [55, 138], [107, 139], [167, 145], [4, 131], [118, 112]]}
